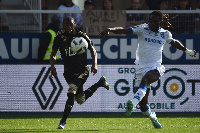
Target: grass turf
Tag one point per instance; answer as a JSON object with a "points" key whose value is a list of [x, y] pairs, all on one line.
{"points": [[100, 122]]}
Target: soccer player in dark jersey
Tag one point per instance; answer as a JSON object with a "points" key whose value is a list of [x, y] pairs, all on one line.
{"points": [[76, 70]]}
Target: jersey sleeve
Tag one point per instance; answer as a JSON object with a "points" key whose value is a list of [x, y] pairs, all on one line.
{"points": [[169, 38], [90, 43], [136, 29]]}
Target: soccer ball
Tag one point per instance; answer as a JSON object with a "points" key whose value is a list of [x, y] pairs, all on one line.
{"points": [[79, 45]]}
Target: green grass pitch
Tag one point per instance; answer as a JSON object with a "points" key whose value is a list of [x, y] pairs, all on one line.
{"points": [[99, 123]]}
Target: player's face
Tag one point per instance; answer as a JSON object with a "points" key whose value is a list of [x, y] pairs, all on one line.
{"points": [[69, 27], [154, 23]]}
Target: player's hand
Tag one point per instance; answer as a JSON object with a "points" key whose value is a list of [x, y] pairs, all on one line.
{"points": [[104, 34], [195, 53], [191, 52], [53, 71], [94, 69]]}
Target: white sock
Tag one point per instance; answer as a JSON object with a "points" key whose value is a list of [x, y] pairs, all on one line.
{"points": [[152, 116], [138, 96], [146, 111]]}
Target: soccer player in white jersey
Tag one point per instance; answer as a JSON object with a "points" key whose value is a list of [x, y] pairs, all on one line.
{"points": [[151, 40]]}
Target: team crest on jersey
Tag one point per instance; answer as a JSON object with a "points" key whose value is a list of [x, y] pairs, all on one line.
{"points": [[162, 34]]}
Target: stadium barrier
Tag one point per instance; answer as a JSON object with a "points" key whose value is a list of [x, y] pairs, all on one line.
{"points": [[25, 20]]}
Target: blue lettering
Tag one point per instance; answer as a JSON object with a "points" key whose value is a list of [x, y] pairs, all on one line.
{"points": [[137, 97], [159, 41], [153, 40]]}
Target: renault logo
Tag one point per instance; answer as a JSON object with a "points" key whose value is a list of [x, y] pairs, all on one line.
{"points": [[43, 100]]}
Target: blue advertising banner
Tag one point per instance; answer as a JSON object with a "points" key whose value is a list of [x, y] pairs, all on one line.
{"points": [[19, 47], [23, 48]]}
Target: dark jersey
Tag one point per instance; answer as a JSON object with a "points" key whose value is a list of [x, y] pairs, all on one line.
{"points": [[72, 62]]}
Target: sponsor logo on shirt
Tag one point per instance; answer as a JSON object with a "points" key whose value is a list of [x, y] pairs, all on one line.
{"points": [[153, 40]]}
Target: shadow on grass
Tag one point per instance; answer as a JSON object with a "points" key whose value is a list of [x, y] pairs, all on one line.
{"points": [[54, 130], [24, 131], [92, 115]]}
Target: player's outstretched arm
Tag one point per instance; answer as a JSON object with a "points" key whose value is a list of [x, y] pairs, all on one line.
{"points": [[116, 30], [179, 46]]}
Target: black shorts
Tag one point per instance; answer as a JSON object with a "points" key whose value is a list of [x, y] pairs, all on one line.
{"points": [[78, 78]]}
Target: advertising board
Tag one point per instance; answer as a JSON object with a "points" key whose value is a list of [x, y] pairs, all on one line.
{"points": [[28, 88]]}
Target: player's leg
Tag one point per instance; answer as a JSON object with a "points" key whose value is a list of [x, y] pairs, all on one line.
{"points": [[81, 96], [129, 104], [144, 103], [73, 86], [101, 83], [146, 80], [68, 106], [144, 107]]}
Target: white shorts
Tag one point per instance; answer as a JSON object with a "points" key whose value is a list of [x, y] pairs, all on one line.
{"points": [[140, 72]]}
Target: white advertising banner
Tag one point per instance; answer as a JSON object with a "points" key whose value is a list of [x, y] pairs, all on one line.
{"points": [[28, 88]]}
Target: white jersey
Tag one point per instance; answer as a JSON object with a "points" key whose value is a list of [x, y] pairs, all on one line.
{"points": [[150, 45], [77, 16]]}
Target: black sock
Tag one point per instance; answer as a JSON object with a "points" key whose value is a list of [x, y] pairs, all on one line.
{"points": [[89, 92], [68, 107]]}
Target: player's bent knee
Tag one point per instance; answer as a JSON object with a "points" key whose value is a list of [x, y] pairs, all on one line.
{"points": [[72, 88], [80, 100]]}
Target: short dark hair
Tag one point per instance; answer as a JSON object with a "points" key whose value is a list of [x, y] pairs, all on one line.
{"points": [[157, 13], [68, 19]]}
